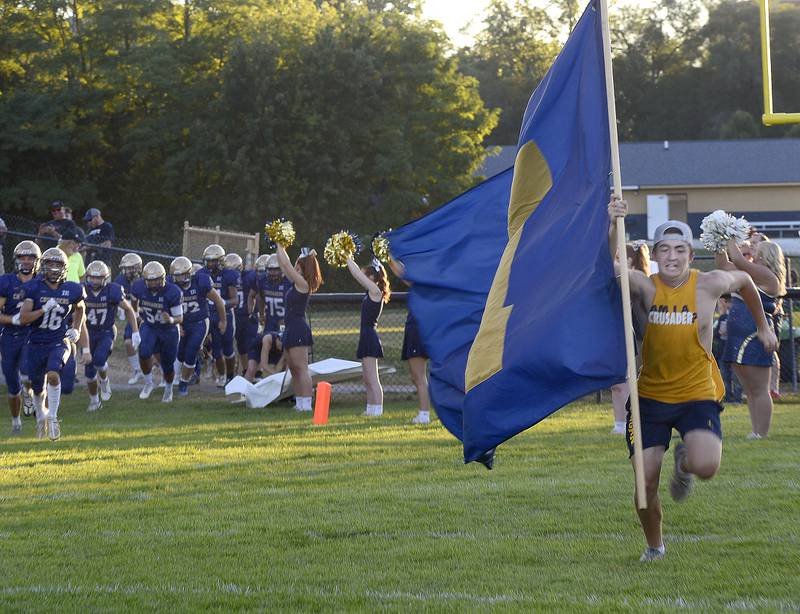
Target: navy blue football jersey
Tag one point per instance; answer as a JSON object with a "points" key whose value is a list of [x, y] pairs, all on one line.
{"points": [[274, 295], [168, 298], [51, 328], [222, 281], [11, 290], [101, 307]]}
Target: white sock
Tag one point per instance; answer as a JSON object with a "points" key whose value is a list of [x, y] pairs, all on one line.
{"points": [[168, 384], [308, 403], [620, 426], [94, 398], [661, 549], [134, 362], [148, 378], [424, 414], [103, 380], [177, 366], [54, 396], [16, 421], [38, 405], [368, 411], [374, 410], [302, 403]]}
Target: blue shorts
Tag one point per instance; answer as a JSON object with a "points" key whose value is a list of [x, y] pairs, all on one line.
{"points": [[161, 340], [222, 345], [46, 357], [100, 344], [14, 349], [658, 420], [194, 333], [246, 330]]}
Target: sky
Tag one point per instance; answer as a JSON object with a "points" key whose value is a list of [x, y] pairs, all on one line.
{"points": [[456, 15]]}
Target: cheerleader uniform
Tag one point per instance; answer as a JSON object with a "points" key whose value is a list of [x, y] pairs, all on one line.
{"points": [[743, 346], [412, 341], [369, 344], [297, 332]]}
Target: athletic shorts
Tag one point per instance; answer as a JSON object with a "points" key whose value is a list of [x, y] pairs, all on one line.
{"points": [[46, 357], [100, 344], [161, 340], [194, 333], [14, 349], [222, 345], [658, 420]]}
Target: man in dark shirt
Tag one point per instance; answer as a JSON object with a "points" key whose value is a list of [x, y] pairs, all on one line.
{"points": [[100, 236], [50, 232]]}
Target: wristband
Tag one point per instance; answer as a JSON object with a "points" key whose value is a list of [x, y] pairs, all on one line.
{"points": [[84, 350]]}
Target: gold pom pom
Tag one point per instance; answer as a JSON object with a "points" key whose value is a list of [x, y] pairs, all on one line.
{"points": [[281, 232], [340, 247], [380, 248]]}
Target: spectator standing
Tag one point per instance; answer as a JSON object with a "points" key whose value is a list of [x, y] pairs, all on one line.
{"points": [[69, 244], [50, 232], [99, 238]]}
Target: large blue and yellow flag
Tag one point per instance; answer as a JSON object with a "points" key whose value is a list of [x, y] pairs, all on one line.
{"points": [[545, 326]]}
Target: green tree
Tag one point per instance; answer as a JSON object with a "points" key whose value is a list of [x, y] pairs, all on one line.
{"points": [[510, 56]]}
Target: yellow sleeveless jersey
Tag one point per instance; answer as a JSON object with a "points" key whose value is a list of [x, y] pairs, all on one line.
{"points": [[676, 368]]}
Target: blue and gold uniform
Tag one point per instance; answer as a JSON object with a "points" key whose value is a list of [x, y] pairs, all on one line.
{"points": [[101, 309], [246, 325], [158, 337], [48, 349], [195, 318], [743, 346], [680, 385], [13, 339], [222, 344]]}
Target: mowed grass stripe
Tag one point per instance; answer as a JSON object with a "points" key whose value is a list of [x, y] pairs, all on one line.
{"points": [[204, 505]]}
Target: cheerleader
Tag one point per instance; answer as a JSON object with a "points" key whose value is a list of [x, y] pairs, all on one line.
{"points": [[414, 353], [376, 283], [751, 363], [306, 279]]}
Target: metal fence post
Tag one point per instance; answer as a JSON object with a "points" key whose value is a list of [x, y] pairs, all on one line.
{"points": [[790, 310]]}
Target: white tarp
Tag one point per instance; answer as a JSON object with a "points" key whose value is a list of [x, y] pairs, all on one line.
{"points": [[279, 385]]}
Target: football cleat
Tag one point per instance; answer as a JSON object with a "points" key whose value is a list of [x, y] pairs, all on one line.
{"points": [[27, 403], [183, 389], [16, 430], [167, 396], [94, 406], [134, 379], [41, 429], [147, 390], [55, 429], [105, 389]]}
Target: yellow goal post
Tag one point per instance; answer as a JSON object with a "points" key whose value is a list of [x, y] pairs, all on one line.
{"points": [[197, 238], [770, 118]]}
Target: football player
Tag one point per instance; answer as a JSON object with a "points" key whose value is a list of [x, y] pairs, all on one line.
{"points": [[102, 300], [197, 293], [160, 307], [49, 302], [245, 311], [13, 336], [271, 290], [130, 270], [225, 282]]}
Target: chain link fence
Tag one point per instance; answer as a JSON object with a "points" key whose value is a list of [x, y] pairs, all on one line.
{"points": [[335, 318]]}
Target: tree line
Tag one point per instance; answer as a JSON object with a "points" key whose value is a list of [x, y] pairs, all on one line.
{"points": [[356, 113]]}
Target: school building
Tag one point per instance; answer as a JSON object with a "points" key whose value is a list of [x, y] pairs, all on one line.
{"points": [[686, 180]]}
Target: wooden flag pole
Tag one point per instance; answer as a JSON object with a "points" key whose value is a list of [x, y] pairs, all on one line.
{"points": [[638, 461]]}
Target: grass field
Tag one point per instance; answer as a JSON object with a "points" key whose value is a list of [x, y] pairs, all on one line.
{"points": [[204, 505]]}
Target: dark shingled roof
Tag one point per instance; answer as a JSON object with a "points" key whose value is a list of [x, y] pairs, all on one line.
{"points": [[685, 163]]}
